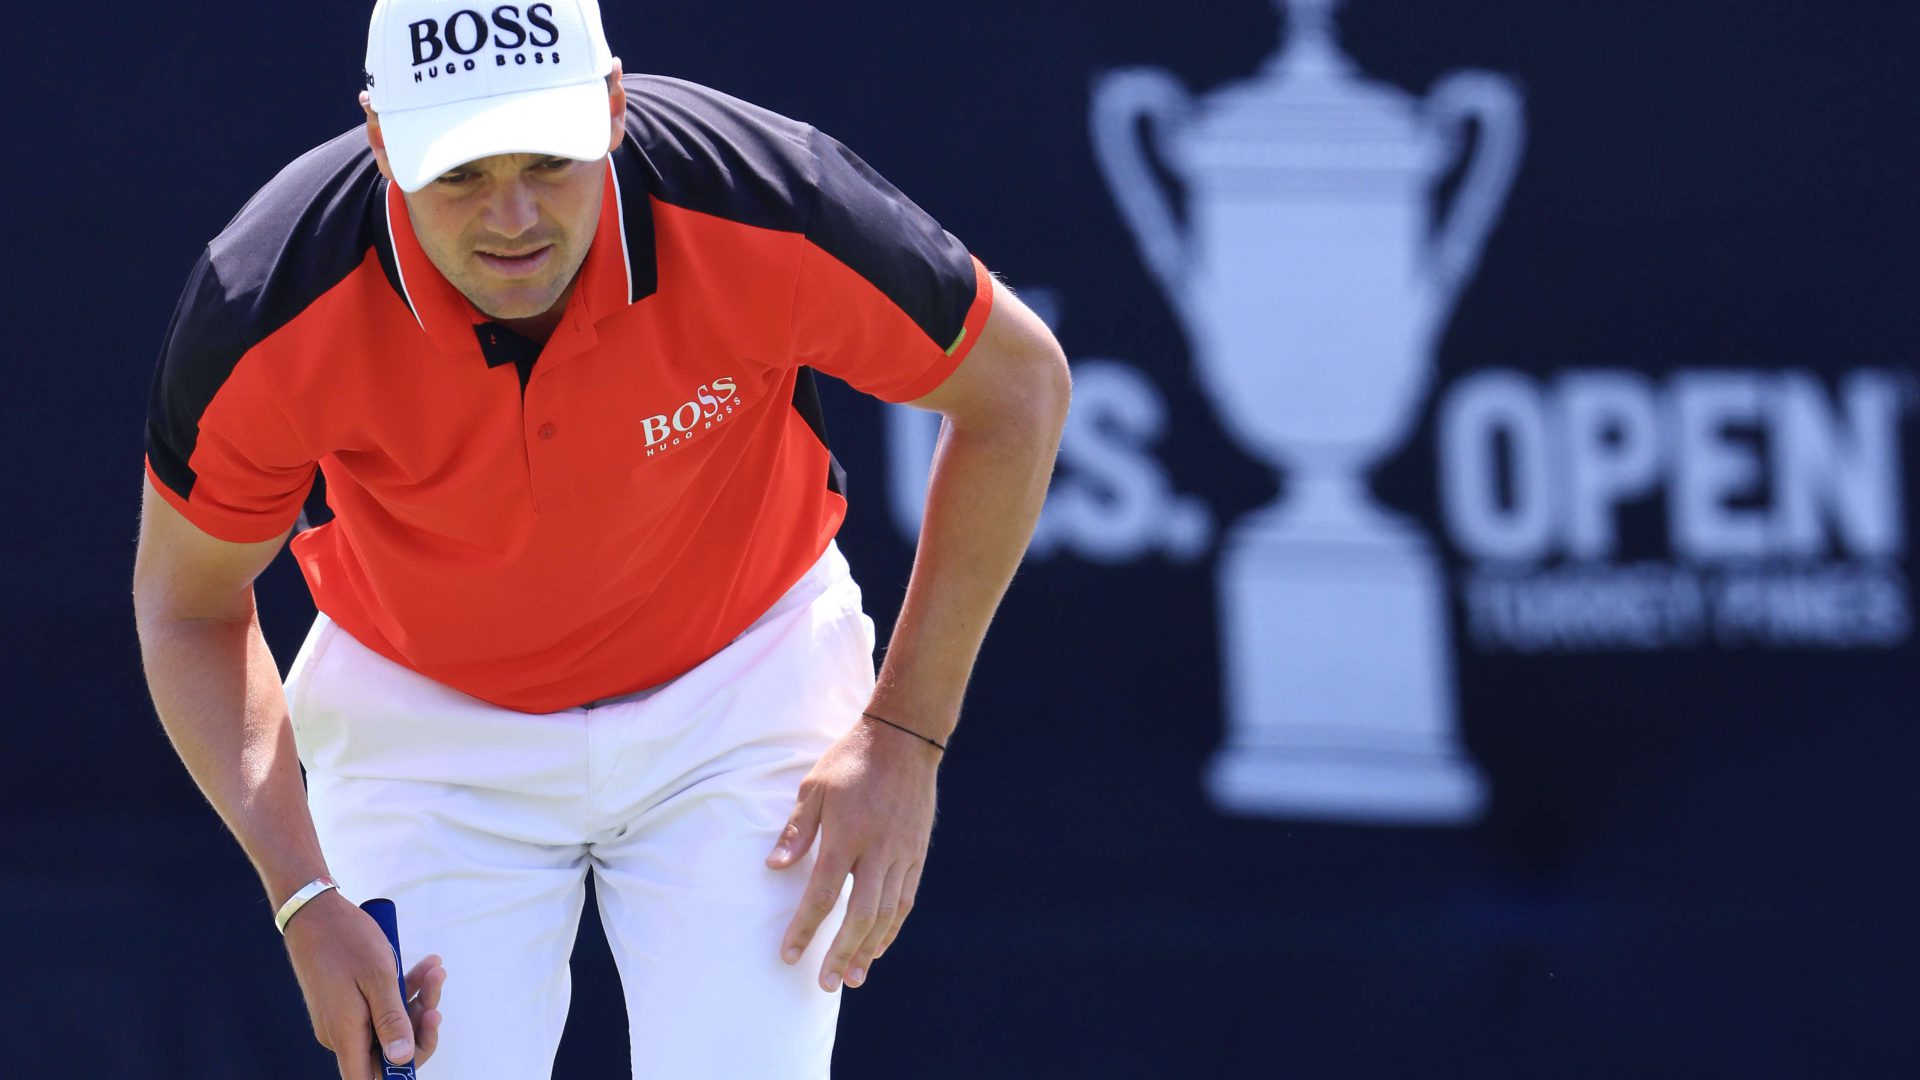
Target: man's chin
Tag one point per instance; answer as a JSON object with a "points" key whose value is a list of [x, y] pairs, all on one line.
{"points": [[510, 306]]}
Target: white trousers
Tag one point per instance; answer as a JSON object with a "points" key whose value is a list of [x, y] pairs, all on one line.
{"points": [[482, 823]]}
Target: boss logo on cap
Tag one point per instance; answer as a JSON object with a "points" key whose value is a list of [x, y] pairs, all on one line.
{"points": [[466, 32]]}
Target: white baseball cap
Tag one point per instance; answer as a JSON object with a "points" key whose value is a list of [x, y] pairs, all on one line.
{"points": [[453, 82]]}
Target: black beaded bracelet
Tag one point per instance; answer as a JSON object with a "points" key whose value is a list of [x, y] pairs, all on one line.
{"points": [[938, 746]]}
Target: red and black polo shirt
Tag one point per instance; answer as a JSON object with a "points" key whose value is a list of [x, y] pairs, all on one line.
{"points": [[541, 527]]}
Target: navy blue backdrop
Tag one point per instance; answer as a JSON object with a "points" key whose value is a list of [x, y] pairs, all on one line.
{"points": [[1692, 858]]}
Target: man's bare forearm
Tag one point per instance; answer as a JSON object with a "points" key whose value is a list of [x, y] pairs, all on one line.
{"points": [[988, 484], [219, 696]]}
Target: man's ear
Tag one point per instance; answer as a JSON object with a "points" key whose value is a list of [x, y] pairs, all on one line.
{"points": [[616, 107], [375, 140]]}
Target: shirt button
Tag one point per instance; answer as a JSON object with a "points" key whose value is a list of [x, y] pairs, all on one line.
{"points": [[548, 431]]}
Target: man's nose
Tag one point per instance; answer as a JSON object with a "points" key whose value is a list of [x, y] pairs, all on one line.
{"points": [[511, 211]]}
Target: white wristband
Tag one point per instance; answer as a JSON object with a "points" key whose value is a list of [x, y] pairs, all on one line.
{"points": [[299, 900]]}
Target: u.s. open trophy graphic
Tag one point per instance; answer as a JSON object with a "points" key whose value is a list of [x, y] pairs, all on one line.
{"points": [[1314, 282]]}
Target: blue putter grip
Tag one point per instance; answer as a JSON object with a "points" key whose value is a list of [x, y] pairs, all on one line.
{"points": [[383, 913]]}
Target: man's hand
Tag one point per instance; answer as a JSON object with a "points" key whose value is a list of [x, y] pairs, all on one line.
{"points": [[872, 796], [345, 968]]}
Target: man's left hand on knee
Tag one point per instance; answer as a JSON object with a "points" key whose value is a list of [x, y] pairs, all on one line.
{"points": [[870, 799]]}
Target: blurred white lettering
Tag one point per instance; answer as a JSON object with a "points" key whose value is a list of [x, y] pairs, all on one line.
{"points": [[1487, 413], [1612, 437], [1839, 469], [1782, 502], [1753, 464], [1713, 469], [1113, 501]]}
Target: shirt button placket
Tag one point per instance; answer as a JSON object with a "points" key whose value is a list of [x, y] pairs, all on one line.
{"points": [[546, 453]]}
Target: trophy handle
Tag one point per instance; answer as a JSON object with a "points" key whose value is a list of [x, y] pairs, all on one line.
{"points": [[1120, 100], [1494, 101]]}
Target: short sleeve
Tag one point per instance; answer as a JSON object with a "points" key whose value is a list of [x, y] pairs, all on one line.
{"points": [[887, 300], [220, 448]]}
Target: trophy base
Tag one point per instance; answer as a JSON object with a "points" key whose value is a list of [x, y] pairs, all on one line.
{"points": [[1338, 679], [1340, 786]]}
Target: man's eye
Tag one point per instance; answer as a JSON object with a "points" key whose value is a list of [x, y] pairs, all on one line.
{"points": [[453, 179], [555, 164]]}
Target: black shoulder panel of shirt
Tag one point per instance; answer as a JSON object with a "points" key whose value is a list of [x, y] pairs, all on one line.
{"points": [[299, 236], [702, 150]]}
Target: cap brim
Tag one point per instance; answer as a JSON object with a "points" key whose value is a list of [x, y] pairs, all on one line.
{"points": [[565, 121]]}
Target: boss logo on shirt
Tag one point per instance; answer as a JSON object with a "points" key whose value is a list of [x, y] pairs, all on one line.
{"points": [[466, 32], [713, 403]]}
